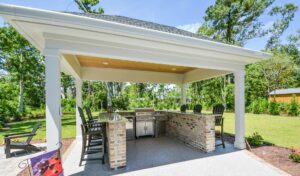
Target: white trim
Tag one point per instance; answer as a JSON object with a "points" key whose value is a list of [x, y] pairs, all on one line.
{"points": [[71, 66], [202, 74]]}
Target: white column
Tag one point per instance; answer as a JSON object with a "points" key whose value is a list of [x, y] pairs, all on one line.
{"points": [[183, 93], [78, 84], [53, 93], [239, 79]]}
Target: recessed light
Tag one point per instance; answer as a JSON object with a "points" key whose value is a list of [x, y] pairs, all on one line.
{"points": [[105, 63], [174, 69]]}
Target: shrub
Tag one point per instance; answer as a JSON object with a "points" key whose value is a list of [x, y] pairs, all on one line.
{"points": [[295, 155], [230, 97], [293, 109], [2, 119], [283, 108], [259, 106], [255, 107], [255, 139], [68, 105], [274, 108], [120, 102], [35, 113]]}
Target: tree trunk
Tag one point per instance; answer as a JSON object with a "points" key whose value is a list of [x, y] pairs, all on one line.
{"points": [[21, 98], [109, 96], [224, 92], [89, 88]]}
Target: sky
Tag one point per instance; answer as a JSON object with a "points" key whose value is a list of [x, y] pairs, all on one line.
{"points": [[184, 14]]}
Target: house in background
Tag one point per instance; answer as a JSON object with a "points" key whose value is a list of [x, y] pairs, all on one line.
{"points": [[284, 95]]}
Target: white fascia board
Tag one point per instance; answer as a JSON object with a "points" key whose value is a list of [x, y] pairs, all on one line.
{"points": [[121, 75], [71, 35], [64, 19], [202, 74], [29, 33], [123, 52]]}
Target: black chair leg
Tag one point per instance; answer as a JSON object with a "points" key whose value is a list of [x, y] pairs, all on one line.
{"points": [[222, 137], [82, 149], [7, 148], [103, 159]]}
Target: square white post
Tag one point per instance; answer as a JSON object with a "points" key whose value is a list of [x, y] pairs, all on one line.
{"points": [[53, 101], [78, 84], [183, 88], [239, 79]]}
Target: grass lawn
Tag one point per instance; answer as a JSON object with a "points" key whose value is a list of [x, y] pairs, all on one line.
{"points": [[279, 130], [68, 128]]}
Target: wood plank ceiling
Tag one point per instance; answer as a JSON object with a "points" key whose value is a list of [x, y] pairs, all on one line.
{"points": [[98, 62]]}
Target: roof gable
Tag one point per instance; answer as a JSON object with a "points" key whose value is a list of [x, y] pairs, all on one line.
{"points": [[143, 24], [285, 91]]}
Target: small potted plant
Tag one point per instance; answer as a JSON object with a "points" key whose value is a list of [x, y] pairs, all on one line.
{"points": [[295, 155]]}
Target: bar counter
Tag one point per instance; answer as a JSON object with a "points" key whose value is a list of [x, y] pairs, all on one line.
{"points": [[116, 138], [196, 130]]}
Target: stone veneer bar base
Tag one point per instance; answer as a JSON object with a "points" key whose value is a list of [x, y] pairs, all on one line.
{"points": [[196, 130], [116, 138]]}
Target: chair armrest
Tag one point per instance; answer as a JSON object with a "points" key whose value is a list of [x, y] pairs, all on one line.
{"points": [[20, 136], [13, 134], [95, 123]]}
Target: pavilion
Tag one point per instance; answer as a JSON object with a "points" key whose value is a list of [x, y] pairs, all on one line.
{"points": [[121, 49]]}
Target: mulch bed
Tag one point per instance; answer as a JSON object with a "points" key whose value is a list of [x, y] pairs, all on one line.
{"points": [[65, 145], [274, 155], [278, 157]]}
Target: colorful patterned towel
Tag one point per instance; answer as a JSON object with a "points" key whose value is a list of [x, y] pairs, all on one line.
{"points": [[47, 164]]}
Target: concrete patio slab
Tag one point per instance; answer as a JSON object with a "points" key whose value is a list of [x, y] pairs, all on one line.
{"points": [[164, 156]]}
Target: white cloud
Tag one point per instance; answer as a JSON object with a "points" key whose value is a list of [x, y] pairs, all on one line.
{"points": [[190, 27]]}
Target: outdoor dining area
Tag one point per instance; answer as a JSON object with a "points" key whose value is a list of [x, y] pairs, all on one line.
{"points": [[108, 133]]}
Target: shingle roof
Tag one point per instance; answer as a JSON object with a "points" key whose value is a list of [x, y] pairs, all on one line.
{"points": [[285, 91], [143, 24]]}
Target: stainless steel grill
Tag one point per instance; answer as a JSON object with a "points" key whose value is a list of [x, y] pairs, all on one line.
{"points": [[144, 118]]}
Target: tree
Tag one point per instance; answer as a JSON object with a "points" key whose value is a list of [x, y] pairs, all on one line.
{"points": [[291, 47], [234, 21], [278, 71], [286, 13], [22, 61], [67, 83], [88, 6]]}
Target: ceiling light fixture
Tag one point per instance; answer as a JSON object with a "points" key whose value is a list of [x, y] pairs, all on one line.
{"points": [[105, 63]]}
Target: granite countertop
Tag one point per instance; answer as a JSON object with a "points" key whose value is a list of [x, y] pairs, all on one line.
{"points": [[191, 113], [111, 117]]}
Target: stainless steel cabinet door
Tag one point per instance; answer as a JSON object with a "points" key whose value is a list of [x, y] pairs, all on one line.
{"points": [[140, 128], [149, 128]]}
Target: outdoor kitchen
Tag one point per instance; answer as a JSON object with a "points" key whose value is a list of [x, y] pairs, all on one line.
{"points": [[193, 129]]}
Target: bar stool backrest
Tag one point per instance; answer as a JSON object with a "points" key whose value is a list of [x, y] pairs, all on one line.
{"points": [[183, 108], [81, 114], [89, 113], [219, 110], [198, 108]]}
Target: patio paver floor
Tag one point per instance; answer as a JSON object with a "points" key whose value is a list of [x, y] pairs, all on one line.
{"points": [[165, 156]]}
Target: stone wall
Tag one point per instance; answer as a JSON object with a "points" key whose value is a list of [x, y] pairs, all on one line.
{"points": [[196, 130], [116, 139]]}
